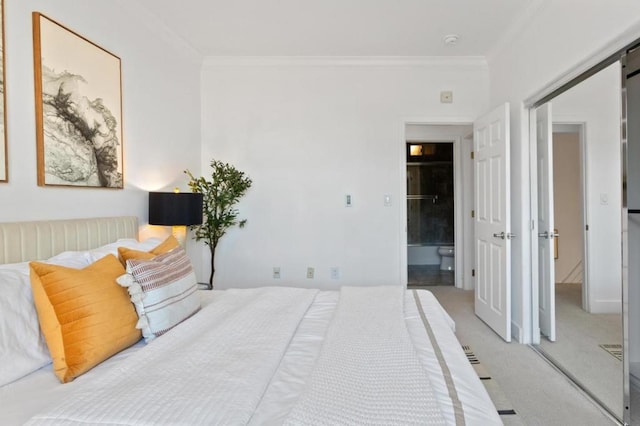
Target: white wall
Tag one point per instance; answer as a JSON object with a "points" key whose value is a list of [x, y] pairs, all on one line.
{"points": [[559, 36], [308, 131], [161, 111], [596, 102]]}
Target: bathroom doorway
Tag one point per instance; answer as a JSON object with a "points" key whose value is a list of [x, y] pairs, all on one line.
{"points": [[439, 203], [457, 140], [430, 213]]}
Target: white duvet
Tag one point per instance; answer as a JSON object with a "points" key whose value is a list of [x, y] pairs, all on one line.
{"points": [[258, 356], [214, 371]]}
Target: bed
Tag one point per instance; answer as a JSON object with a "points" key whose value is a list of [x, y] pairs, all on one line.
{"points": [[270, 355]]}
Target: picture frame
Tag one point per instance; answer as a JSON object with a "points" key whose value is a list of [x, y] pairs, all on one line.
{"points": [[78, 97], [4, 160]]}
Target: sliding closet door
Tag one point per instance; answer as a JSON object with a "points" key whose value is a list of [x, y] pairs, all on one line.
{"points": [[631, 227]]}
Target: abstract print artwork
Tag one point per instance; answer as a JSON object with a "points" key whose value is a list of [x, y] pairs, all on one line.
{"points": [[3, 132], [78, 109]]}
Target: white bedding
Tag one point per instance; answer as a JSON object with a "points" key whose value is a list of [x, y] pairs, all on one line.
{"points": [[368, 371], [273, 392]]}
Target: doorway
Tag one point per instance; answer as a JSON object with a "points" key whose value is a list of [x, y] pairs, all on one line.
{"points": [[430, 214], [482, 228], [439, 188], [570, 262]]}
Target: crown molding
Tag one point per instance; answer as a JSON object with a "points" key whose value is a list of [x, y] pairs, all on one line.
{"points": [[343, 61]]}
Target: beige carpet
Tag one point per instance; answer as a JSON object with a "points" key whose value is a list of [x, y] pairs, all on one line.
{"points": [[579, 350], [500, 400], [536, 391]]}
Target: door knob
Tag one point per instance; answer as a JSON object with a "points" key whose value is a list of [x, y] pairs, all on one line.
{"points": [[548, 235]]}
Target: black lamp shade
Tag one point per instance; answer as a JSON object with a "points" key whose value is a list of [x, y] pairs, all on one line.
{"points": [[175, 208]]}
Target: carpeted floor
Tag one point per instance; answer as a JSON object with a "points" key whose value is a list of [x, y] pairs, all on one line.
{"points": [[535, 390], [578, 349], [505, 409]]}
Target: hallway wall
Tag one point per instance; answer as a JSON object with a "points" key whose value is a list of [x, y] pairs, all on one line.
{"points": [[567, 206]]}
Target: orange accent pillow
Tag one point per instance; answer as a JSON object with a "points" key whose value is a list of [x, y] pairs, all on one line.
{"points": [[166, 246], [85, 316]]}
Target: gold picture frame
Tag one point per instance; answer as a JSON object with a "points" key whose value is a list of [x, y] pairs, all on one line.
{"points": [[78, 91], [4, 160]]}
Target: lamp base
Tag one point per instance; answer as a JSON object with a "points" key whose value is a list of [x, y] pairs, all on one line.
{"points": [[180, 234]]}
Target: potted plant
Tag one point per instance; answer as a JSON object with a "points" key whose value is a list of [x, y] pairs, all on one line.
{"points": [[219, 195]]}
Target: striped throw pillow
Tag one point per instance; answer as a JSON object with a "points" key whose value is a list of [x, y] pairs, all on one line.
{"points": [[164, 291]]}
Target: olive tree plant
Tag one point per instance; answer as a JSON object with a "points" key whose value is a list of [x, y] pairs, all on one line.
{"points": [[219, 196]]}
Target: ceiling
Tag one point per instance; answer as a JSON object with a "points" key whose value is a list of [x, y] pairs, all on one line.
{"points": [[340, 27]]}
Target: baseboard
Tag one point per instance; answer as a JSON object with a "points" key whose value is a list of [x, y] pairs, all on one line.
{"points": [[605, 307], [516, 332]]}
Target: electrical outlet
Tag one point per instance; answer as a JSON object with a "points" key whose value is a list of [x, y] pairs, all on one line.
{"points": [[335, 273], [310, 273], [276, 272]]}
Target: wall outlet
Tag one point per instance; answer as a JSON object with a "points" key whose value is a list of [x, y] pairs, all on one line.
{"points": [[276, 272], [335, 273], [310, 272], [348, 200]]}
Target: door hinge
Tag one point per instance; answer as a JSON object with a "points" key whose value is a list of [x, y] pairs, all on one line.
{"points": [[473, 272], [473, 213], [586, 227], [473, 155]]}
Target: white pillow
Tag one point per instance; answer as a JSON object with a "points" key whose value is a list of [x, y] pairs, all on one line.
{"points": [[131, 243], [164, 291], [71, 259], [22, 346]]}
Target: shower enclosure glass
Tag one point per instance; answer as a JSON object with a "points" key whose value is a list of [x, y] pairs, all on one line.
{"points": [[430, 194]]}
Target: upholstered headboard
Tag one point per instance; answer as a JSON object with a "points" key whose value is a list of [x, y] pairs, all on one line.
{"points": [[24, 241]]}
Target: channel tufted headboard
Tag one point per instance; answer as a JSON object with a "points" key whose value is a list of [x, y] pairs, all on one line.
{"points": [[25, 241]]}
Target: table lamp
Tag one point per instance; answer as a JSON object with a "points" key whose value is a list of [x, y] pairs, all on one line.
{"points": [[175, 209]]}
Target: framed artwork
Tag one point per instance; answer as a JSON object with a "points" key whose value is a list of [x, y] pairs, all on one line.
{"points": [[4, 163], [78, 109]]}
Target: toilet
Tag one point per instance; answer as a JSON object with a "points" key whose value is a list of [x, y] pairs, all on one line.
{"points": [[447, 255]]}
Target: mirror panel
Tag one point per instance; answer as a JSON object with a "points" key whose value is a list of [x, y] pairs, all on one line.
{"points": [[587, 201]]}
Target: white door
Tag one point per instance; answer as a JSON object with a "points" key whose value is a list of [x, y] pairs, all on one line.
{"points": [[493, 220], [546, 235]]}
